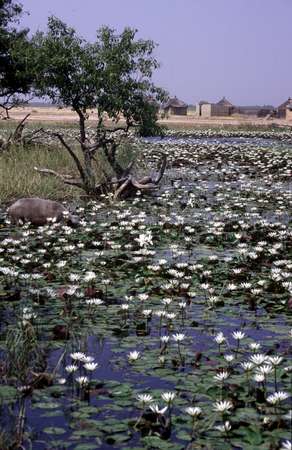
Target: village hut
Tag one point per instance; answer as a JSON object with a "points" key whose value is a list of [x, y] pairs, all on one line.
{"points": [[199, 107], [282, 109], [176, 107], [289, 112], [225, 102], [223, 108]]}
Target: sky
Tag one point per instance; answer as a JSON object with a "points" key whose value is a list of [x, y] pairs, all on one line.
{"points": [[240, 49]]}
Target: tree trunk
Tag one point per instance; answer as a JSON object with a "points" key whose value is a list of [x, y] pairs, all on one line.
{"points": [[81, 125], [89, 181], [110, 154]]}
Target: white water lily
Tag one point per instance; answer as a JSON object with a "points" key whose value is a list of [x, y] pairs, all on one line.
{"points": [[286, 445], [277, 397], [238, 335], [159, 411], [193, 411], [82, 381], [219, 338], [144, 398], [78, 356], [168, 397], [258, 358], [223, 406], [179, 337], [225, 427], [90, 366], [134, 355], [221, 376], [71, 368]]}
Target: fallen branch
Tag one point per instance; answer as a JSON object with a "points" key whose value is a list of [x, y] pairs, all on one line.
{"points": [[162, 169], [65, 178]]}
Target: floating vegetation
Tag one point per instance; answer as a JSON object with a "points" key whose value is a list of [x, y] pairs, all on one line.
{"points": [[160, 323]]}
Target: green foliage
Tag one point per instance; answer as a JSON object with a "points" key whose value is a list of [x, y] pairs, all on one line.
{"points": [[22, 350], [15, 55], [112, 74]]}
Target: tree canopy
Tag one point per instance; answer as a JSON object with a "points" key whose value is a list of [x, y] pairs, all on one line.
{"points": [[15, 55], [111, 75]]}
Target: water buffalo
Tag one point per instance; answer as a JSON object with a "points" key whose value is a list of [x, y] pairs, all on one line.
{"points": [[38, 211]]}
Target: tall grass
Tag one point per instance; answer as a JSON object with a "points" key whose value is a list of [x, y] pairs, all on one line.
{"points": [[18, 178]]}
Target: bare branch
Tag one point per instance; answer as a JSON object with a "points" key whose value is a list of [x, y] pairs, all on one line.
{"points": [[123, 186], [161, 170], [72, 154], [145, 180], [18, 130], [128, 169], [141, 186], [64, 178]]}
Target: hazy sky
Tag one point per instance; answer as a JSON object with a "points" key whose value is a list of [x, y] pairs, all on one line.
{"points": [[241, 49]]}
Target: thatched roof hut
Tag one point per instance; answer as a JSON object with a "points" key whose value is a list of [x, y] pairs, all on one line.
{"points": [[281, 110], [225, 102], [176, 107]]}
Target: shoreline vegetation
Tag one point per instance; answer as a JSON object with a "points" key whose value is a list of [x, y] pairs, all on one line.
{"points": [[19, 179]]}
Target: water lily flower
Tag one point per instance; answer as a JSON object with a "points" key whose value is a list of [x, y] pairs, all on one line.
{"points": [[238, 335], [82, 381], [124, 306], [254, 346], [178, 337], [221, 376], [259, 377], [219, 338], [223, 406], [87, 359], [286, 445], [225, 427], [72, 368], [258, 358], [264, 370], [78, 356], [168, 397], [144, 398], [90, 366], [247, 366], [134, 355], [193, 411], [275, 360], [89, 276], [155, 408], [277, 397], [94, 301]]}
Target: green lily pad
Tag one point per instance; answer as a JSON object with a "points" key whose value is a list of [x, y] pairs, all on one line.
{"points": [[54, 430]]}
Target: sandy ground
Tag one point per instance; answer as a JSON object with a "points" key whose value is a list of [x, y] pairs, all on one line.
{"points": [[54, 114]]}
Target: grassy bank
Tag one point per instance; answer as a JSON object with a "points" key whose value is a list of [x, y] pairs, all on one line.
{"points": [[18, 178]]}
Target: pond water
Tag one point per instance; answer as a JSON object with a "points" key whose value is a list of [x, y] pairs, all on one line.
{"points": [[163, 322], [260, 142]]}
